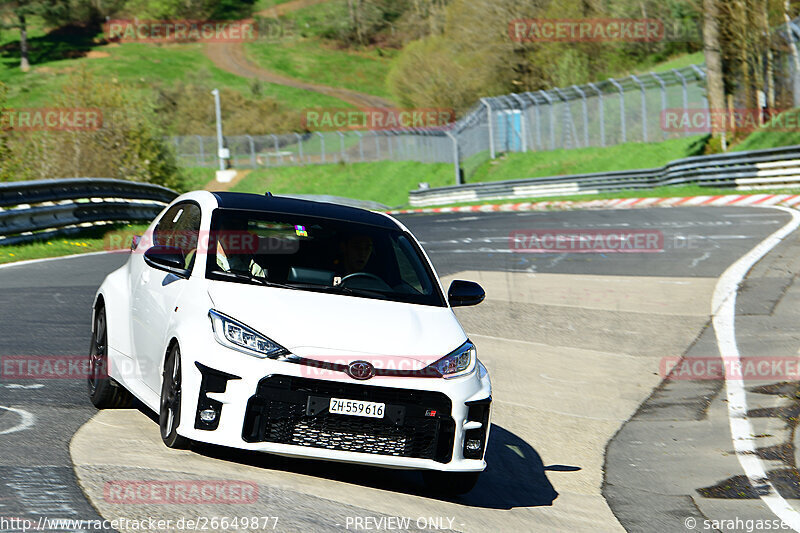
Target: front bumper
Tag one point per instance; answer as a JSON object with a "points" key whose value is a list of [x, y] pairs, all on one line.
{"points": [[278, 407]]}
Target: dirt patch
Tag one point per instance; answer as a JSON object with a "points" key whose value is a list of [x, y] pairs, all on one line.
{"points": [[282, 9], [96, 54], [214, 185], [230, 57]]}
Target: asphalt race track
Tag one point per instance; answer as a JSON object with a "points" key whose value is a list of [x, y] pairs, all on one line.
{"points": [[587, 434]]}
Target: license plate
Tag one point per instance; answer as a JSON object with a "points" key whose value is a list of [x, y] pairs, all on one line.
{"points": [[356, 408]]}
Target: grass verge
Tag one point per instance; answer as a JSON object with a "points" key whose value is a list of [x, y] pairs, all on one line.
{"points": [[196, 178], [628, 156], [315, 61], [90, 240], [782, 130], [144, 65], [678, 62], [387, 182], [260, 5]]}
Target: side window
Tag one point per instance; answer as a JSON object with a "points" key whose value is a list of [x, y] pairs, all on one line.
{"points": [[412, 272], [163, 233], [180, 227]]}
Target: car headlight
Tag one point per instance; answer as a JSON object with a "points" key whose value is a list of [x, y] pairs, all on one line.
{"points": [[235, 335], [458, 363]]}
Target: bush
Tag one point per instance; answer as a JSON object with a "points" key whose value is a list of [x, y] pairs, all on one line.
{"points": [[129, 144], [188, 109], [429, 73], [465, 46], [10, 168]]}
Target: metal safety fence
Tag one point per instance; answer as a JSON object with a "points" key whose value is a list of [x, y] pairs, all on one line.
{"points": [[606, 113], [40, 209], [258, 151], [774, 168]]}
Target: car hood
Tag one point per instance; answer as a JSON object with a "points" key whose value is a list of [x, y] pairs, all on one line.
{"points": [[339, 327]]}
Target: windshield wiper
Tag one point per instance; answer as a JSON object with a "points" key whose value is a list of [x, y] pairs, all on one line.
{"points": [[254, 279], [351, 291], [341, 289]]}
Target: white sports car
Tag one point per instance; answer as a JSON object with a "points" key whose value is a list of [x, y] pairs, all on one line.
{"points": [[296, 328]]}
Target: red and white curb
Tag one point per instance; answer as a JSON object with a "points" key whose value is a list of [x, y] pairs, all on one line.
{"points": [[789, 200]]}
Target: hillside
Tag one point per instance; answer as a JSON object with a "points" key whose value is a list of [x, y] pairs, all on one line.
{"points": [[307, 54]]}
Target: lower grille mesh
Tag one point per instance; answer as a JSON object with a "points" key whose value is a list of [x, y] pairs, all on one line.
{"points": [[280, 413], [363, 439]]}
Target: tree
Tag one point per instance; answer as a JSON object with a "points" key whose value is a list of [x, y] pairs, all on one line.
{"points": [[9, 164], [792, 44], [355, 8], [20, 10], [713, 56], [474, 34]]}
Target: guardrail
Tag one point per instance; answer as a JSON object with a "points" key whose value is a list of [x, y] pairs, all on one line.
{"points": [[772, 168], [32, 210]]}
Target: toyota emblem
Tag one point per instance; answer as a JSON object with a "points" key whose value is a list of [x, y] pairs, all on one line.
{"points": [[360, 370]]}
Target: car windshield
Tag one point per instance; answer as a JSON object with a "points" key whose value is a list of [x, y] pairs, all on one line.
{"points": [[319, 254]]}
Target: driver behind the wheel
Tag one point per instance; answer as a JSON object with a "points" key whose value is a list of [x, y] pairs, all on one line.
{"points": [[354, 254], [232, 255]]}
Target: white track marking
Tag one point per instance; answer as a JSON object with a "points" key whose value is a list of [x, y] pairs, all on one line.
{"points": [[572, 382], [47, 259], [723, 309], [697, 260], [26, 420]]}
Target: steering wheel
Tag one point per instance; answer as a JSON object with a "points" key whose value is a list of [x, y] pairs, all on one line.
{"points": [[368, 275]]}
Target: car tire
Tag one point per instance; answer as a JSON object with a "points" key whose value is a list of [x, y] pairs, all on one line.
{"points": [[450, 483], [169, 416], [104, 392]]}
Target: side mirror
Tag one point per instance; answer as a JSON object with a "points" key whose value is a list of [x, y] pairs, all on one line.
{"points": [[463, 293], [167, 258]]}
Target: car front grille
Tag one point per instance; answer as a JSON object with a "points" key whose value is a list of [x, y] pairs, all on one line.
{"points": [[353, 437], [292, 410]]}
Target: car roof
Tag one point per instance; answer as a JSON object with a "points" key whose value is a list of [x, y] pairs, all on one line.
{"points": [[284, 205]]}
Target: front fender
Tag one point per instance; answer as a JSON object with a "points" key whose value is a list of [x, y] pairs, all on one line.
{"points": [[115, 292], [190, 327]]}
